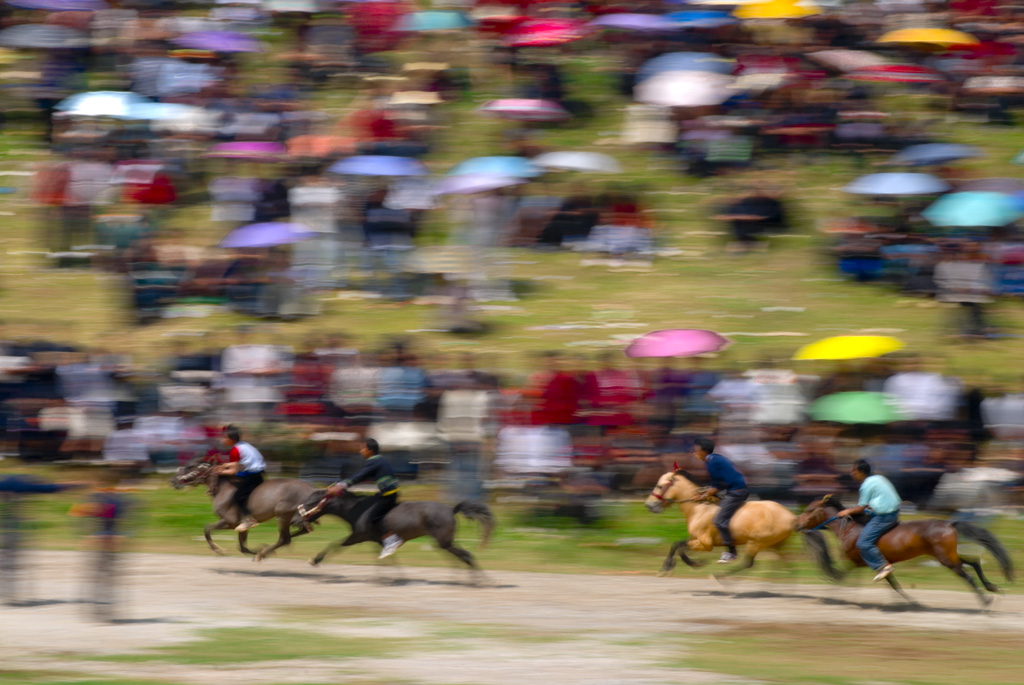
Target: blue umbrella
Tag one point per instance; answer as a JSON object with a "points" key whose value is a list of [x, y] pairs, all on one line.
{"points": [[701, 20], [516, 167], [684, 61], [934, 153], [43, 36], [468, 185], [897, 184], [973, 209], [434, 20], [379, 165], [267, 235]]}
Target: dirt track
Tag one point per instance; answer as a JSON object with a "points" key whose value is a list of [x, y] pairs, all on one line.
{"points": [[553, 628]]}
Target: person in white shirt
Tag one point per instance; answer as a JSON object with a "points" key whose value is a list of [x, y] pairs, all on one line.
{"points": [[247, 465], [923, 394]]}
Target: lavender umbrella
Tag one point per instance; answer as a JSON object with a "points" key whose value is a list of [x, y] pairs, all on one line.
{"points": [[43, 36], [267, 235], [60, 5], [253, 151], [629, 21], [467, 185], [219, 41], [677, 342], [379, 165]]}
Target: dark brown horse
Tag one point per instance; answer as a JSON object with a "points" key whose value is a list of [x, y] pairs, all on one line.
{"points": [[907, 540], [275, 498], [408, 520]]}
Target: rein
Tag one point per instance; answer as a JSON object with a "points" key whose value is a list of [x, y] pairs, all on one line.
{"points": [[824, 523]]}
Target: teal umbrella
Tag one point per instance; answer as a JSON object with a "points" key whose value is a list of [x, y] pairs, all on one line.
{"points": [[856, 407], [970, 209], [434, 20]]}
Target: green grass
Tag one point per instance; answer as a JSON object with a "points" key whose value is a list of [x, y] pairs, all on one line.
{"points": [[700, 288], [170, 521], [819, 654], [226, 646]]}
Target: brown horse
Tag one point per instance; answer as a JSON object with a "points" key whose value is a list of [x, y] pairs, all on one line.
{"points": [[907, 540], [757, 525], [276, 498]]}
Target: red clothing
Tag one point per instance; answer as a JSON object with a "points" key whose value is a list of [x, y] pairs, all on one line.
{"points": [[611, 392], [558, 401]]}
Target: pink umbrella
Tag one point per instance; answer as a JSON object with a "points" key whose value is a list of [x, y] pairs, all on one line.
{"points": [[253, 151], [896, 73], [677, 342], [540, 33], [520, 109]]}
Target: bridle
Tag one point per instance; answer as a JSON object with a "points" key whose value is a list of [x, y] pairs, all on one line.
{"points": [[660, 497], [198, 473]]}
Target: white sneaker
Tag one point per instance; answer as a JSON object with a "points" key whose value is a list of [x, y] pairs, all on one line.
{"points": [[391, 545], [727, 558], [246, 525], [883, 572]]}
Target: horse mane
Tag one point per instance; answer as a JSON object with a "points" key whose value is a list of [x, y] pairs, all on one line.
{"points": [[688, 476], [834, 501]]}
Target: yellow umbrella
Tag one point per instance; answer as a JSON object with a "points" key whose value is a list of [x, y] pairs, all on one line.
{"points": [[776, 9], [940, 37], [849, 347]]}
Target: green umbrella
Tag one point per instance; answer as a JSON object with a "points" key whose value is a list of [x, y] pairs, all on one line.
{"points": [[856, 407]]}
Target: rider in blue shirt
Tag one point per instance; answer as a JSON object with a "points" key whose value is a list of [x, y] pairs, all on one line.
{"points": [[725, 478]]}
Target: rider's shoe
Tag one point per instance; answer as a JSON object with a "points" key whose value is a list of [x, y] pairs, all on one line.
{"points": [[391, 545], [883, 572], [246, 524], [727, 558]]}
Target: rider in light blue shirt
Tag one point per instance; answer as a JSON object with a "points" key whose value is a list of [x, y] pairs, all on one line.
{"points": [[878, 496]]}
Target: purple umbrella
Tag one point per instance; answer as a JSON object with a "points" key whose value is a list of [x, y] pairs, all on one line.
{"points": [[219, 41], [634, 22], [467, 185], [677, 342], [253, 151], [60, 5], [379, 165], [267, 235]]}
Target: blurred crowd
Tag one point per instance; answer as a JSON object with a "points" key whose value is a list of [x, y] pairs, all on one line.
{"points": [[582, 427]]}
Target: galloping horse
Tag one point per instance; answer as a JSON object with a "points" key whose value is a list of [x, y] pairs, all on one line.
{"points": [[276, 498], [757, 525], [907, 540], [408, 520]]}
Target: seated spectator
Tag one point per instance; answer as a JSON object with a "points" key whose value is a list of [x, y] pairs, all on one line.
{"points": [[556, 393], [401, 385]]}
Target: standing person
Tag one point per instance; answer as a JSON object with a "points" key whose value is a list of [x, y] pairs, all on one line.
{"points": [[247, 465], [878, 496], [725, 477], [379, 471]]}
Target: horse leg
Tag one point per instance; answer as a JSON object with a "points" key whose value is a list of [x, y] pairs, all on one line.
{"points": [[746, 561], [975, 563], [284, 538], [895, 585], [334, 547], [242, 543], [209, 528], [951, 560]]}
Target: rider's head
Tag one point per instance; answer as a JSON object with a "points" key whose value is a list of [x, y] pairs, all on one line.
{"points": [[232, 436], [861, 469], [370, 448], [702, 447]]}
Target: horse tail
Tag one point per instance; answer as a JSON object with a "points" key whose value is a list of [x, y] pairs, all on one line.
{"points": [[480, 512], [988, 541], [815, 542]]}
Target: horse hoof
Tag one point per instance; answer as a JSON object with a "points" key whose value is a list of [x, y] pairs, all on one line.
{"points": [[313, 562], [664, 572], [697, 564], [219, 551]]}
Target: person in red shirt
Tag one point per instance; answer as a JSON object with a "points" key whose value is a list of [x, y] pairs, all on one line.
{"points": [[559, 396]]}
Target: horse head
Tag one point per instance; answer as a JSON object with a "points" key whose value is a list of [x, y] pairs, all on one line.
{"points": [[672, 487], [318, 504], [194, 472], [817, 512]]}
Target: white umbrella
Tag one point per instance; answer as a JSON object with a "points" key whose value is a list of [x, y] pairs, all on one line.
{"points": [[579, 161], [685, 89], [103, 103]]}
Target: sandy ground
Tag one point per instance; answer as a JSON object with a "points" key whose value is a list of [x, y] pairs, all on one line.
{"points": [[552, 628]]}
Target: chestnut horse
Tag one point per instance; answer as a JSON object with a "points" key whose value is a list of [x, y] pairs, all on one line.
{"points": [[907, 540], [757, 525]]}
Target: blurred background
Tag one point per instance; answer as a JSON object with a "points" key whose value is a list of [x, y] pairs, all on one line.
{"points": [[533, 248]]}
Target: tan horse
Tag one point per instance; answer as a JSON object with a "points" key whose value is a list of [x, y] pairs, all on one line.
{"points": [[757, 525]]}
